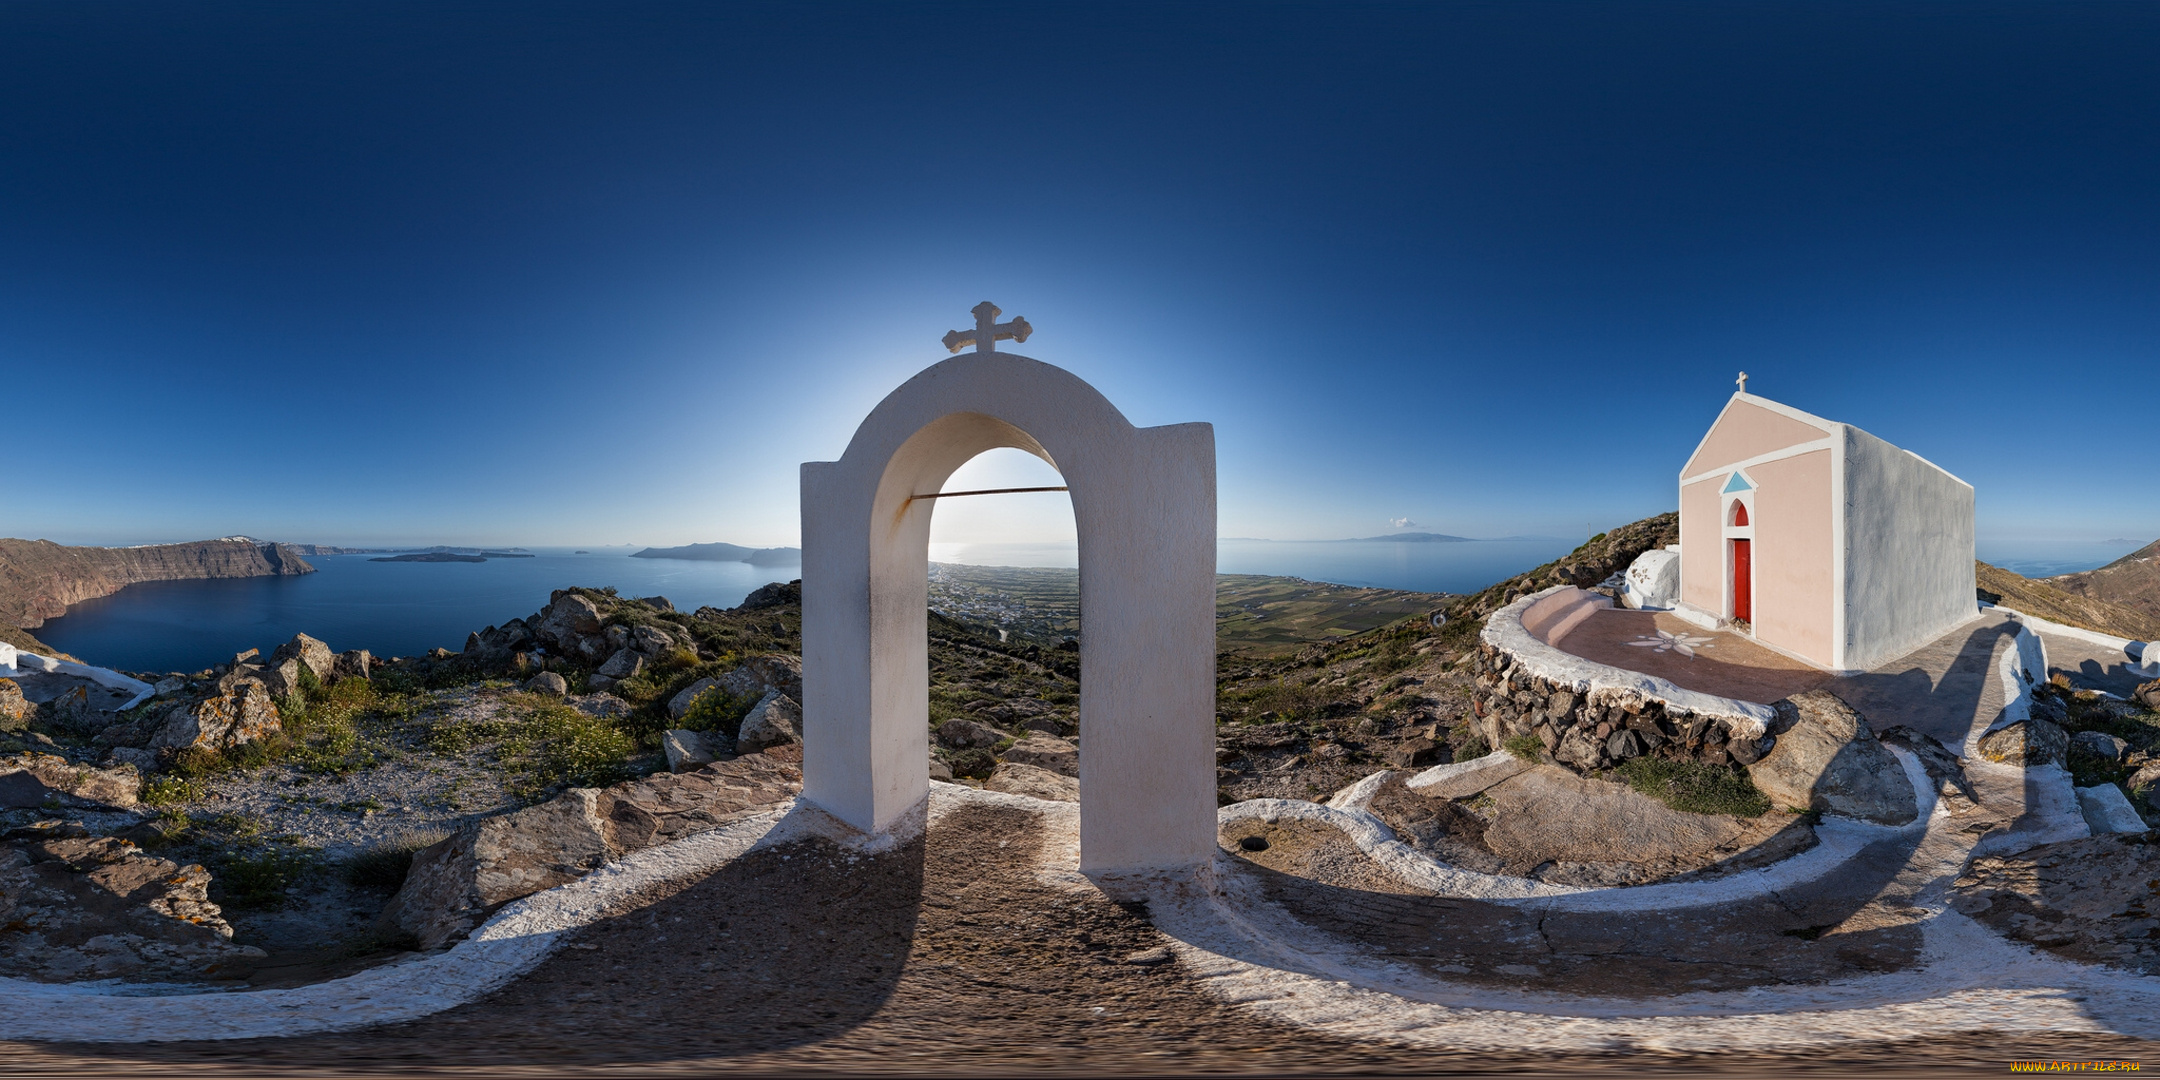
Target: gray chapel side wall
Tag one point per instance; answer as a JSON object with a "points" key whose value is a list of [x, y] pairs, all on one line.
{"points": [[1908, 552]]}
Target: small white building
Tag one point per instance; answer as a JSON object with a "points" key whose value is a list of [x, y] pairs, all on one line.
{"points": [[1821, 540]]}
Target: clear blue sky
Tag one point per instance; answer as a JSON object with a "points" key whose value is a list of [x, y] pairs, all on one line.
{"points": [[590, 274]]}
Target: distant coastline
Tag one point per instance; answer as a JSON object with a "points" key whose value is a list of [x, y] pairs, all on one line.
{"points": [[451, 556], [780, 556]]}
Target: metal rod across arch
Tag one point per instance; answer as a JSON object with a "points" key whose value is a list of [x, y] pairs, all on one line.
{"points": [[986, 491]]}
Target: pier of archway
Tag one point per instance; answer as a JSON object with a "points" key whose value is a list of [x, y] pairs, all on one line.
{"points": [[1143, 502]]}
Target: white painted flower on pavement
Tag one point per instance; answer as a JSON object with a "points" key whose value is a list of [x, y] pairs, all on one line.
{"points": [[1684, 644]]}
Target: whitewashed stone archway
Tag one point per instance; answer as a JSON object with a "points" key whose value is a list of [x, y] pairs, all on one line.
{"points": [[1143, 502]]}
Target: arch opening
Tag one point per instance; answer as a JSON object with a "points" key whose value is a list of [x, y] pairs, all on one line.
{"points": [[1143, 509]]}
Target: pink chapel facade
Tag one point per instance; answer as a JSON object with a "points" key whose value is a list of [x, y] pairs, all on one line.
{"points": [[1823, 541]]}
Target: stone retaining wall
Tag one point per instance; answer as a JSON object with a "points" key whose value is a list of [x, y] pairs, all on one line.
{"points": [[1589, 715]]}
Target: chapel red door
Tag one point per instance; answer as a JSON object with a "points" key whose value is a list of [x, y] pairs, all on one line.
{"points": [[1743, 577]]}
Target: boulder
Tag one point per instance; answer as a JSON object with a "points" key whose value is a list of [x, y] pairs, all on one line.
{"points": [[679, 706], [1462, 779], [687, 750], [354, 664], [2148, 694], [657, 603], [1046, 753], [239, 711], [456, 884], [2107, 811], [626, 663], [1415, 752], [774, 721], [27, 780], [2145, 778], [568, 619], [74, 710], [652, 641], [600, 683], [315, 655], [773, 671], [604, 705], [965, 734], [15, 709], [549, 683], [283, 679], [2099, 744], [1829, 759], [168, 686], [2026, 742], [1014, 778]]}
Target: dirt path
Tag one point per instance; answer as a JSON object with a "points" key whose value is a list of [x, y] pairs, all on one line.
{"points": [[946, 957]]}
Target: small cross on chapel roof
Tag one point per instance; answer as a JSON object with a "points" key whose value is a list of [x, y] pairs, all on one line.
{"points": [[988, 331]]}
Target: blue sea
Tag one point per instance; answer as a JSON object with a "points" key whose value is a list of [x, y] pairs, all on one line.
{"points": [[403, 609]]}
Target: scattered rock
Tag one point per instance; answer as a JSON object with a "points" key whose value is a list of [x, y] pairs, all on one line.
{"points": [[282, 679], [240, 711], [315, 655], [95, 907], [2107, 811], [1150, 957], [1463, 779], [142, 760], [964, 734], [1047, 753], [626, 663], [604, 705], [2099, 744], [168, 686], [549, 683], [1829, 759], [1413, 753], [687, 750], [354, 664], [762, 674], [29, 779], [2027, 742], [652, 641], [568, 619], [940, 771], [774, 721], [15, 709], [679, 706], [1014, 778], [2148, 694]]}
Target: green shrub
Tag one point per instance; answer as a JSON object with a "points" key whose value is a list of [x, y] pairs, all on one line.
{"points": [[555, 745], [718, 710], [1527, 747], [1696, 788]]}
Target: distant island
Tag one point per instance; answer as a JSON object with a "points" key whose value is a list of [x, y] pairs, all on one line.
{"points": [[780, 556], [452, 556], [1412, 538]]}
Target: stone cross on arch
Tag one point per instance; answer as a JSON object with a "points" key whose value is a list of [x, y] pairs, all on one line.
{"points": [[988, 331]]}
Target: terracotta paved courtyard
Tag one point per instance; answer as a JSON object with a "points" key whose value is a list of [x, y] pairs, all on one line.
{"points": [[1688, 656]]}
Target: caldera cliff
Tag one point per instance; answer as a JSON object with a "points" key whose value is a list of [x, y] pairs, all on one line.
{"points": [[39, 579]]}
